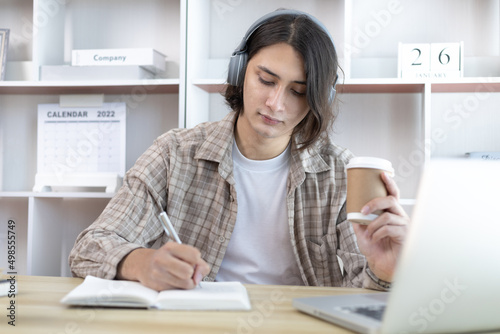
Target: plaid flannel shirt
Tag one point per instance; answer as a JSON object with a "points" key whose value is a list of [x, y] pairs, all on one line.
{"points": [[189, 174]]}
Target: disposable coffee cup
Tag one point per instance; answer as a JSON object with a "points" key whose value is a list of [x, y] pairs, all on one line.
{"points": [[364, 183]]}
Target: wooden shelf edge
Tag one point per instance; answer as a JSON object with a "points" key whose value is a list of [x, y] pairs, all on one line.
{"points": [[157, 86], [28, 194], [350, 86], [388, 85], [467, 85], [380, 86], [15, 194], [211, 85]]}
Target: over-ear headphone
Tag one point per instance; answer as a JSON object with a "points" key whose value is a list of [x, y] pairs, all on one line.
{"points": [[239, 58]]}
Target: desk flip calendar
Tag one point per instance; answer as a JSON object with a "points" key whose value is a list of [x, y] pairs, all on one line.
{"points": [[81, 147]]}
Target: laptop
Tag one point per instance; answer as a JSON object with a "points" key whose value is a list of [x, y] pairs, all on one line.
{"points": [[448, 274]]}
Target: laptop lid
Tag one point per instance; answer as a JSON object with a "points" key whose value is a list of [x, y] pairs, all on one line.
{"points": [[447, 275]]}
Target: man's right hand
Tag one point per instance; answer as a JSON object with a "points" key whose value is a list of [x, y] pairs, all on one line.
{"points": [[171, 266]]}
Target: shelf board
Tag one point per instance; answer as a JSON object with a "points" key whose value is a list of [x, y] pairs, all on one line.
{"points": [[467, 85], [394, 85], [389, 85], [386, 85], [211, 85], [156, 86], [15, 194], [27, 194], [349, 86]]}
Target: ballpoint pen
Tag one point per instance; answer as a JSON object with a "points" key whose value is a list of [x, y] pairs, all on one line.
{"points": [[169, 229]]}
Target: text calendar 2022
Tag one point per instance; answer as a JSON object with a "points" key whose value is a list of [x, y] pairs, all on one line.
{"points": [[78, 143]]}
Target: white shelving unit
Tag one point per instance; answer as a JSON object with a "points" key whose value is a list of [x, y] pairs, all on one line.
{"points": [[379, 114], [407, 122], [43, 32]]}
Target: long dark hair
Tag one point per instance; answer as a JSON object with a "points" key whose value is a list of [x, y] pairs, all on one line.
{"points": [[320, 62]]}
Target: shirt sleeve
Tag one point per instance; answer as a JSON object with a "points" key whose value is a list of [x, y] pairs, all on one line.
{"points": [[128, 222]]}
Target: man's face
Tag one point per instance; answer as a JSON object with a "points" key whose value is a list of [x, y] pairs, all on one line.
{"points": [[274, 92]]}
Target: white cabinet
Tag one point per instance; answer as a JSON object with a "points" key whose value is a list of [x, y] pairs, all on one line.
{"points": [[407, 122]]}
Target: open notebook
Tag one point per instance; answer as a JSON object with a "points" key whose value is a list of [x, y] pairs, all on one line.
{"points": [[115, 293], [447, 279]]}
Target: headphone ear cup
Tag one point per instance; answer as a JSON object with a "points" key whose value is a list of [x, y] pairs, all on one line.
{"points": [[237, 65]]}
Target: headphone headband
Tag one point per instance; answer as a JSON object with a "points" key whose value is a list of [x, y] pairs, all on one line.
{"points": [[269, 16], [238, 61]]}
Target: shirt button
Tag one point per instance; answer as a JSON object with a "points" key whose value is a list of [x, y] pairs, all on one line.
{"points": [[222, 239]]}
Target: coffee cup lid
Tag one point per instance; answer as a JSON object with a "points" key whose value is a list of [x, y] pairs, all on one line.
{"points": [[371, 162]]}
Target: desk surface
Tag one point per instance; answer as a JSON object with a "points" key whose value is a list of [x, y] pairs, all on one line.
{"points": [[38, 311]]}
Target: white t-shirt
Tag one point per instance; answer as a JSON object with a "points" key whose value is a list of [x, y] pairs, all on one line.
{"points": [[260, 250]]}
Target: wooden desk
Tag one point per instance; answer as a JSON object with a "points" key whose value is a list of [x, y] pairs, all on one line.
{"points": [[38, 311]]}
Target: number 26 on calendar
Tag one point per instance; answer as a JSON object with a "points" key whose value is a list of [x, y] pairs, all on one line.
{"points": [[430, 60]]}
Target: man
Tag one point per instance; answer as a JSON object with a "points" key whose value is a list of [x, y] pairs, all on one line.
{"points": [[256, 197]]}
